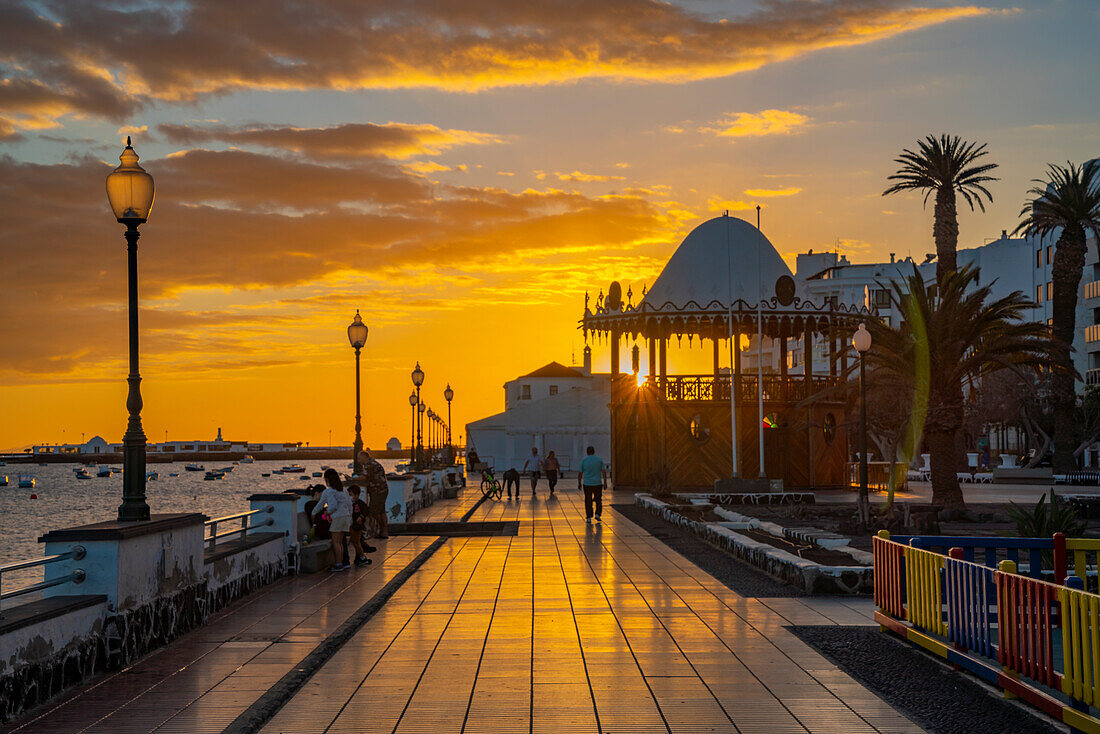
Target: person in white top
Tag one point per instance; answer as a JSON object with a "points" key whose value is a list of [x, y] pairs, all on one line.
{"points": [[338, 503], [534, 465]]}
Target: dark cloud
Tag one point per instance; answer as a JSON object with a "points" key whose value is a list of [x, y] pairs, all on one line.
{"points": [[242, 220], [109, 57], [389, 140]]}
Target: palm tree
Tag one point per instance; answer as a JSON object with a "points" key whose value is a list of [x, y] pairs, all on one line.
{"points": [[1067, 203], [945, 166], [949, 338]]}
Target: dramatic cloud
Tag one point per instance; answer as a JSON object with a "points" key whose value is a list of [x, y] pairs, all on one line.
{"points": [[759, 124], [389, 140], [766, 193], [108, 58], [243, 222], [580, 177]]}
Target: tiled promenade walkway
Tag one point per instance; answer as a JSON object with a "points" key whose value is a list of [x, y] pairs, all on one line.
{"points": [[564, 628]]}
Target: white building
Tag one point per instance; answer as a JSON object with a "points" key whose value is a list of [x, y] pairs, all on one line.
{"points": [[555, 408], [394, 444]]}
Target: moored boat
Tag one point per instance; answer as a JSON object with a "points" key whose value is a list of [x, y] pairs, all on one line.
{"points": [[248, 459], [293, 469], [151, 475], [4, 480], [83, 473], [104, 471], [194, 467], [213, 475], [26, 481]]}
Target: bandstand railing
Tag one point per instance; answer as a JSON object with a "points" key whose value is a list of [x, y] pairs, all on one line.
{"points": [[792, 388]]}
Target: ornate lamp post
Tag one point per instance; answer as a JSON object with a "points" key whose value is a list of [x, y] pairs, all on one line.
{"points": [[130, 192], [357, 335], [449, 394], [862, 342], [418, 380], [420, 408], [412, 431], [431, 433]]}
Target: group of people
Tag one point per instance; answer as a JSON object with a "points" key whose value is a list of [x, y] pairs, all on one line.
{"points": [[592, 479], [352, 515]]}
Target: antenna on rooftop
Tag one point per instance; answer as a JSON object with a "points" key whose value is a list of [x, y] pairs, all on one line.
{"points": [[758, 216]]}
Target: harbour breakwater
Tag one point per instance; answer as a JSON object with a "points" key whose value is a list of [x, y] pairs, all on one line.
{"points": [[339, 454]]}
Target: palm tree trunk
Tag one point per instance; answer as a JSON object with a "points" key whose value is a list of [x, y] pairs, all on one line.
{"points": [[945, 231], [1069, 262], [945, 481]]}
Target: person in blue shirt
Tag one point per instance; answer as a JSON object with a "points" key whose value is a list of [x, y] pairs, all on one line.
{"points": [[593, 480]]}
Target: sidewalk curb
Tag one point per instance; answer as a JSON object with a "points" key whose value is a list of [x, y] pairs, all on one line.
{"points": [[253, 718]]}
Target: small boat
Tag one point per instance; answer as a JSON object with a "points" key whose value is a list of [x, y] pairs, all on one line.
{"points": [[293, 469], [43, 463], [324, 466], [83, 473], [213, 475], [225, 469], [26, 481], [276, 471], [104, 471], [195, 467], [266, 474], [318, 474], [4, 480], [248, 459], [174, 474], [304, 478], [151, 475]]}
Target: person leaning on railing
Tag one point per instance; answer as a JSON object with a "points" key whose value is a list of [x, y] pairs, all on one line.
{"points": [[377, 491]]}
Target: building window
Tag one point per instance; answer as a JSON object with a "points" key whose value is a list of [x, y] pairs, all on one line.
{"points": [[882, 297], [1050, 291], [1039, 258], [553, 389], [1050, 250], [700, 431], [525, 392], [1039, 293], [828, 427]]}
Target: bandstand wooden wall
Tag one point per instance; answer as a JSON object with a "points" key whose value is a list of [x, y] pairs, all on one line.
{"points": [[650, 429]]}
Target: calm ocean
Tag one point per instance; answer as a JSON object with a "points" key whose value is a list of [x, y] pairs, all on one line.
{"points": [[64, 501]]}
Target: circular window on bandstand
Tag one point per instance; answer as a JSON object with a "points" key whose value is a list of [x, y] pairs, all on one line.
{"points": [[699, 428], [828, 427]]}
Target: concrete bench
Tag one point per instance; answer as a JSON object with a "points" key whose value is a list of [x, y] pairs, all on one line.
{"points": [[316, 556]]}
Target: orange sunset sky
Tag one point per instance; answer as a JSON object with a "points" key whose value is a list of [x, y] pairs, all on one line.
{"points": [[462, 173]]}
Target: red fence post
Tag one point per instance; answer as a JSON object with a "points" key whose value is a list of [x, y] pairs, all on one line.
{"points": [[1059, 558]]}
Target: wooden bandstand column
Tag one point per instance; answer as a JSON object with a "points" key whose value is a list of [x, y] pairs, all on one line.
{"points": [[832, 352], [808, 372], [736, 384], [614, 352], [663, 359], [652, 358], [717, 363], [783, 366]]}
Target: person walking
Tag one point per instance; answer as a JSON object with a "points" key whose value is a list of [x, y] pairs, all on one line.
{"points": [[338, 503], [592, 478], [377, 489], [553, 470], [535, 464]]}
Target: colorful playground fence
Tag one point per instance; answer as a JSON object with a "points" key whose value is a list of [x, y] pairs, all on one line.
{"points": [[1025, 632]]}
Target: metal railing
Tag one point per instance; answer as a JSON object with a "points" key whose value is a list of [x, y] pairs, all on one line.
{"points": [[212, 539], [1092, 290], [708, 387], [77, 553]]}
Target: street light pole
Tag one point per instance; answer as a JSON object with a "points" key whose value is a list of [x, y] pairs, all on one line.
{"points": [[418, 380], [449, 394], [130, 192], [357, 336], [412, 431], [862, 342]]}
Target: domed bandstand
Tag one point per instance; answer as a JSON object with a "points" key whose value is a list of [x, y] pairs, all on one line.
{"points": [[724, 282]]}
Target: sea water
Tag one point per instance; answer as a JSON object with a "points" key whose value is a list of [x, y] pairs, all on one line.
{"points": [[64, 501]]}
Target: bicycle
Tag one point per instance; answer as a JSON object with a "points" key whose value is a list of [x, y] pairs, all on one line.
{"points": [[490, 485]]}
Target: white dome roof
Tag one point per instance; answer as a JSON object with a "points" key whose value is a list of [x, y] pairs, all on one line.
{"points": [[717, 251]]}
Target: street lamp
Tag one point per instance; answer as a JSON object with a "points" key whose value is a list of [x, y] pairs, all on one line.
{"points": [[862, 342], [130, 192], [431, 431], [449, 394], [418, 380], [412, 431], [357, 335]]}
